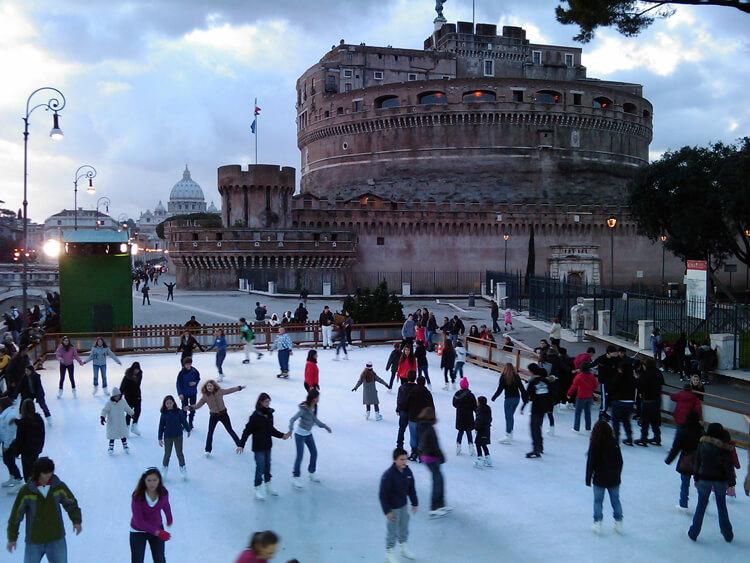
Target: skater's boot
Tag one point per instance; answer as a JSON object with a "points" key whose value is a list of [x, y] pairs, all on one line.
{"points": [[479, 462], [390, 556], [271, 490], [551, 431], [164, 469], [508, 438], [596, 527], [221, 378], [297, 482], [378, 416], [59, 393], [106, 391], [134, 429], [313, 478], [111, 449], [126, 448], [183, 471], [405, 552], [458, 449], [96, 390], [367, 415], [75, 395], [259, 494], [487, 461], [472, 450], [618, 526]]}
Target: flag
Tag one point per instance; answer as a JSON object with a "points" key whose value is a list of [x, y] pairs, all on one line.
{"points": [[257, 111], [252, 125]]}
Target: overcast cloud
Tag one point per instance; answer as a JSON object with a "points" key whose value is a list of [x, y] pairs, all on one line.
{"points": [[154, 85]]}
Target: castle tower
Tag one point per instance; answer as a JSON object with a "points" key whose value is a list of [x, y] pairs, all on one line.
{"points": [[259, 197]]}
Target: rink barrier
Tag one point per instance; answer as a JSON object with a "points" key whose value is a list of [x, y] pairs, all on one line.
{"points": [[729, 412], [154, 339]]}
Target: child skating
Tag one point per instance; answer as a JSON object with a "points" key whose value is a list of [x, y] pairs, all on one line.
{"points": [[113, 415], [482, 439], [368, 378], [172, 424], [508, 319]]}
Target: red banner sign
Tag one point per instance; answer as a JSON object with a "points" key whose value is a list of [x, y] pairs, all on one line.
{"points": [[697, 265]]}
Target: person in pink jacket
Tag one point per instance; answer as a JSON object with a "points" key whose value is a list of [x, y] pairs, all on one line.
{"points": [[262, 548], [150, 499], [508, 320], [583, 387], [66, 354]]}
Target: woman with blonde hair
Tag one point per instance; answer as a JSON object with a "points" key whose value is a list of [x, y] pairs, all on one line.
{"points": [[511, 383], [213, 396]]}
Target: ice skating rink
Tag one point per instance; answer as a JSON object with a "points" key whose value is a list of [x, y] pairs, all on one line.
{"points": [[519, 510]]}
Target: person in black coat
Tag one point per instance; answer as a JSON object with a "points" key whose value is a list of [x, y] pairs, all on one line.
{"points": [[188, 343], [686, 445], [483, 423], [603, 468], [260, 427], [606, 372], [432, 457], [418, 399], [649, 381], [423, 368], [712, 471], [29, 437], [31, 388], [540, 393], [130, 387], [622, 396], [465, 404], [447, 363]]}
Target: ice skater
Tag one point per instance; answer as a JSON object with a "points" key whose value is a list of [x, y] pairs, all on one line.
{"points": [[511, 384], [396, 487], [29, 437], [187, 386], [170, 290], [220, 343], [172, 425], [66, 354], [583, 387], [432, 457], [508, 320], [339, 335], [8, 432], [685, 444], [283, 344], [150, 498], [262, 547], [113, 415], [260, 427], [312, 374], [188, 344], [482, 440], [540, 395], [248, 337], [303, 436], [213, 396], [603, 468], [98, 356], [130, 387], [465, 404], [392, 363], [368, 379], [423, 367], [447, 362]]}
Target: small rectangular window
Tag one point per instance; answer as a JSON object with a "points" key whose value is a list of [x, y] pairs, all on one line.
{"points": [[577, 99], [195, 236], [395, 57], [347, 73], [536, 57], [378, 75], [339, 111], [334, 237], [489, 46], [347, 87], [381, 241], [350, 56], [316, 236], [357, 105], [412, 77], [568, 59], [518, 95], [489, 68], [219, 236], [327, 113]]}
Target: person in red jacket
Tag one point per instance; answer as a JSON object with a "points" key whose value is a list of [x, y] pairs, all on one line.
{"points": [[684, 402], [406, 363], [583, 387], [311, 371], [587, 356], [262, 548]]}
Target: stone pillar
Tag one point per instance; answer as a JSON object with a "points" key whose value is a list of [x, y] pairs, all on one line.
{"points": [[405, 289], [645, 327], [604, 321], [724, 344]]}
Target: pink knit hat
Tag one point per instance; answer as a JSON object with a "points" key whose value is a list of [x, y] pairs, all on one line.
{"points": [[464, 383]]}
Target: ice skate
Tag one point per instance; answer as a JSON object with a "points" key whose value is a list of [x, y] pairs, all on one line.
{"points": [[313, 478], [49, 420], [683, 509], [221, 378], [259, 494], [551, 431], [75, 395], [533, 455], [390, 556], [111, 450], [245, 361], [183, 471], [628, 441], [576, 431], [642, 443], [59, 394], [335, 358], [367, 415], [405, 552], [508, 438], [479, 462], [596, 527], [378, 417], [487, 461], [654, 442], [164, 470], [438, 513], [618, 527], [472, 451], [126, 449], [453, 385], [271, 490], [297, 482], [105, 391], [458, 449], [96, 390], [445, 387], [134, 429], [207, 454], [259, 356], [8, 483]]}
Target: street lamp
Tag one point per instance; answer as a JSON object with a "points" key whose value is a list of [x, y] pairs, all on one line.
{"points": [[611, 224], [102, 200], [506, 236], [85, 171], [663, 238], [55, 103]]}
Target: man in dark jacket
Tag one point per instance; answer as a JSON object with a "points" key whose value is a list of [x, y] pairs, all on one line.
{"points": [[539, 393], [260, 426], [606, 371], [495, 314], [622, 397], [649, 381], [713, 469], [419, 398], [457, 329], [402, 406], [187, 387], [326, 326], [396, 484], [301, 314], [392, 363], [431, 329], [260, 312]]}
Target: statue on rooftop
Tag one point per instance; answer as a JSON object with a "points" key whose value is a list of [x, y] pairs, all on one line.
{"points": [[439, 8]]}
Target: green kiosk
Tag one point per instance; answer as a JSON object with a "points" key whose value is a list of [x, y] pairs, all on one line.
{"points": [[96, 292]]}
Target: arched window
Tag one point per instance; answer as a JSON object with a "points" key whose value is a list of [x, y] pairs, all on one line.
{"points": [[548, 97], [385, 102], [646, 114], [629, 108], [427, 98], [479, 96], [602, 103]]}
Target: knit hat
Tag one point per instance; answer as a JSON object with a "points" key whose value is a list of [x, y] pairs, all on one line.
{"points": [[464, 383], [116, 391], [368, 365]]}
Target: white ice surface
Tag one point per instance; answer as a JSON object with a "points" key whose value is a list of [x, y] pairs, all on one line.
{"points": [[520, 510]]}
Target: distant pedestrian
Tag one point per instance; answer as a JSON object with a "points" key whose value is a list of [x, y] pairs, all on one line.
{"points": [[603, 468], [145, 291], [555, 332], [170, 290], [508, 320], [396, 485], [495, 315]]}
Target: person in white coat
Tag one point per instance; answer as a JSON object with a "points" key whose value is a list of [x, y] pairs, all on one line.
{"points": [[113, 415], [8, 427]]}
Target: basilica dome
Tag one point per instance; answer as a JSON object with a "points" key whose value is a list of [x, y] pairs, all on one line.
{"points": [[186, 196]]}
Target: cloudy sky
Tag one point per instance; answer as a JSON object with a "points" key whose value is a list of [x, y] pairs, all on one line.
{"points": [[152, 85]]}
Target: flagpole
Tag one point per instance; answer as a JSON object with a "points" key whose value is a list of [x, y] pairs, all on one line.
{"points": [[255, 112]]}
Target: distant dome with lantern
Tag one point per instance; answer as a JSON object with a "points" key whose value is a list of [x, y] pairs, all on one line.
{"points": [[186, 196]]}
